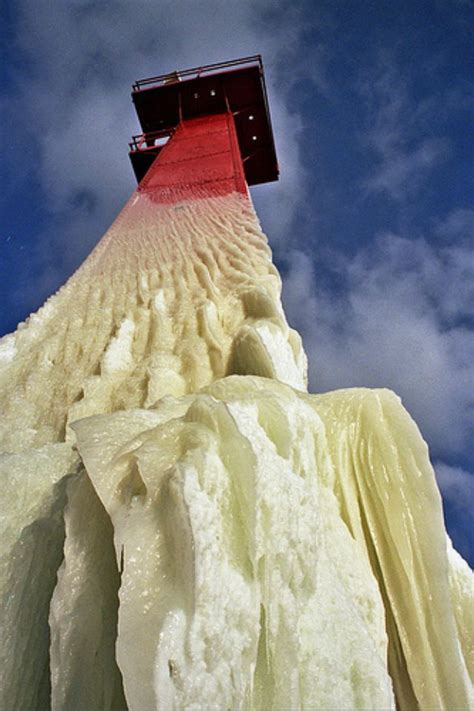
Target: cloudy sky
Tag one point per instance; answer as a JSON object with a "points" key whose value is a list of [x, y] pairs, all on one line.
{"points": [[371, 221]]}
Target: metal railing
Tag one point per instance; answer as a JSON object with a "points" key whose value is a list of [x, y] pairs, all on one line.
{"points": [[206, 70], [148, 141]]}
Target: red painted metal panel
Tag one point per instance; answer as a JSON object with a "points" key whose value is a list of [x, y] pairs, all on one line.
{"points": [[201, 159], [237, 86]]}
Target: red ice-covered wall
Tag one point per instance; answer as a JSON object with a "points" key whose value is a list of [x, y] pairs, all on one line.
{"points": [[202, 159]]}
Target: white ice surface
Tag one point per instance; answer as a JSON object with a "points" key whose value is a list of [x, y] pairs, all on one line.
{"points": [[269, 541]]}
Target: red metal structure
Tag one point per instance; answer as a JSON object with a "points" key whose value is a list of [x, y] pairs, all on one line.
{"points": [[205, 131]]}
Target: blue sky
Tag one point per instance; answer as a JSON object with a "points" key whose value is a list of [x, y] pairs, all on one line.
{"points": [[371, 222]]}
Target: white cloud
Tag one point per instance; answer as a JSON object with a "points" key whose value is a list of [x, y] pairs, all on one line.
{"points": [[396, 133], [457, 486], [401, 172], [458, 225], [401, 321]]}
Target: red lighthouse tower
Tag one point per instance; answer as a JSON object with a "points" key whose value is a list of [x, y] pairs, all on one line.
{"points": [[206, 131]]}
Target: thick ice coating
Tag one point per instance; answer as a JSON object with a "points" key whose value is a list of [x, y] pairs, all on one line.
{"points": [[183, 526], [172, 298], [254, 579]]}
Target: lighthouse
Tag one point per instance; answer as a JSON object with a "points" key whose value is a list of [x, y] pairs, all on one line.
{"points": [[184, 526]]}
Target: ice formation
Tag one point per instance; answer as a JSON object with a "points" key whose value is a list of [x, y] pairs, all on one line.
{"points": [[184, 526]]}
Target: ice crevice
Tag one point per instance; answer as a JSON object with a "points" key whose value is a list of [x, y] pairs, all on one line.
{"points": [[184, 526]]}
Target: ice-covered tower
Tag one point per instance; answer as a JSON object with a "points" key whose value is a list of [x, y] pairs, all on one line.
{"points": [[179, 292], [184, 526], [181, 288]]}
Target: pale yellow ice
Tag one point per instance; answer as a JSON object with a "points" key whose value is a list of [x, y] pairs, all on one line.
{"points": [[172, 298], [215, 537], [242, 586], [33, 493]]}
